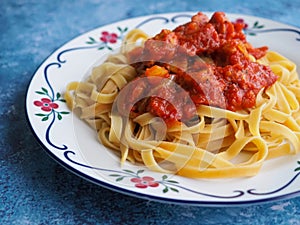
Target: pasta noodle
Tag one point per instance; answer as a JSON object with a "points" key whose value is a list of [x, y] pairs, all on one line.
{"points": [[220, 143]]}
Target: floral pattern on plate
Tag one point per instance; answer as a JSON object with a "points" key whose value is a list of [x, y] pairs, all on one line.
{"points": [[53, 75]]}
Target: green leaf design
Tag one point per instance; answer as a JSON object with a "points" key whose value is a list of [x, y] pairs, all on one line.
{"points": [[165, 190], [59, 117], [261, 26], [101, 48], [62, 100], [174, 189], [40, 114], [92, 39], [120, 178], [64, 113], [40, 93], [172, 181], [58, 95], [45, 90], [109, 48], [164, 177], [297, 169], [119, 29], [115, 175], [45, 118], [139, 171], [129, 171]]}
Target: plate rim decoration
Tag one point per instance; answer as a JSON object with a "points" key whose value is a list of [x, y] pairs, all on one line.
{"points": [[48, 116]]}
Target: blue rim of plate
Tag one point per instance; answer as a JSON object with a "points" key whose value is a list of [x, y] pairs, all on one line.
{"points": [[256, 29]]}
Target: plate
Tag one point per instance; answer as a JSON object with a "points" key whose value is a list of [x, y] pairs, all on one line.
{"points": [[74, 144]]}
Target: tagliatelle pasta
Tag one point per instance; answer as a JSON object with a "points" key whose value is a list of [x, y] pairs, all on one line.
{"points": [[215, 143]]}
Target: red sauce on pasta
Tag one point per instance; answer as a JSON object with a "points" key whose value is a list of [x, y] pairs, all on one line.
{"points": [[209, 61]]}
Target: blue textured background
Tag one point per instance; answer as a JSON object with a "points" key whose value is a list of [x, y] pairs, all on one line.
{"points": [[36, 190]]}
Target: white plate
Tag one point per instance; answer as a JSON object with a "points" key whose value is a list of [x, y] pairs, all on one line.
{"points": [[73, 144]]}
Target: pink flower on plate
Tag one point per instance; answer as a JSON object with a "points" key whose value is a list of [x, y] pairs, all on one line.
{"points": [[144, 182], [240, 20], [109, 37], [46, 104]]}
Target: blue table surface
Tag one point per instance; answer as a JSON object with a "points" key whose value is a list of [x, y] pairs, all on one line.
{"points": [[34, 189]]}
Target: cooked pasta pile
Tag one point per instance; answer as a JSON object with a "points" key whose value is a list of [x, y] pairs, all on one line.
{"points": [[218, 143]]}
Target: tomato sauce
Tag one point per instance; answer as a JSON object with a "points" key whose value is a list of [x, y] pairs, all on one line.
{"points": [[208, 60]]}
